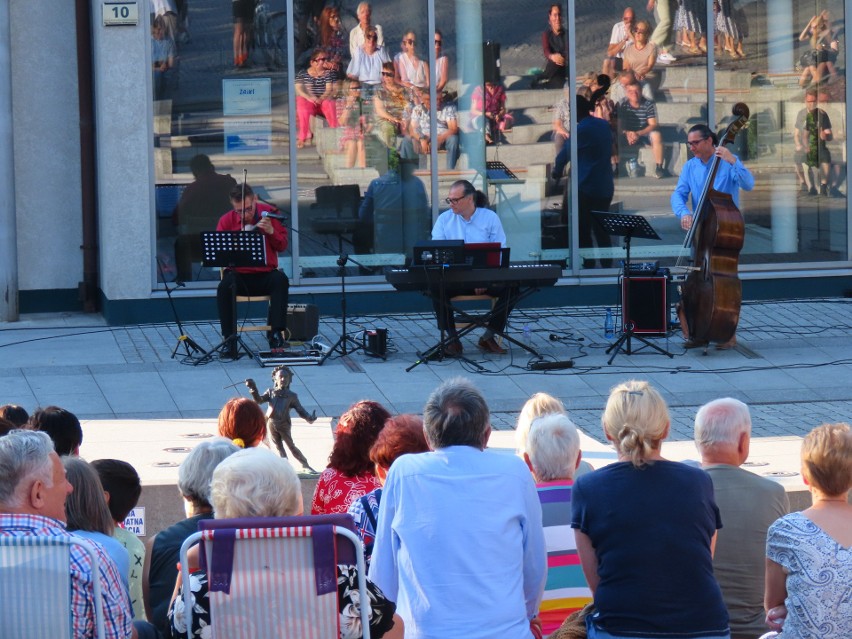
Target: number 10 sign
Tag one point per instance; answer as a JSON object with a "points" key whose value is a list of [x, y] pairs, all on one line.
{"points": [[120, 13]]}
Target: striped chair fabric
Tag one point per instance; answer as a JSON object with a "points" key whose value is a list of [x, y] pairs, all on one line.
{"points": [[35, 587], [273, 586]]}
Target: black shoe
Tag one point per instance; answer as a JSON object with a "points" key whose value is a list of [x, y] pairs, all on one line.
{"points": [[661, 172], [812, 191], [823, 189], [835, 192], [275, 340], [230, 351]]}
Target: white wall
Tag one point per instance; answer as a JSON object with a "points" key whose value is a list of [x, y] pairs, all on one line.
{"points": [[45, 118]]}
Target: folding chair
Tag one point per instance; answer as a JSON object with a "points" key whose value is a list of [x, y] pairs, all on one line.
{"points": [[275, 577], [35, 587]]}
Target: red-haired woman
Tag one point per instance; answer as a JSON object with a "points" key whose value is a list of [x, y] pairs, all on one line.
{"points": [[401, 435], [350, 472], [242, 421]]}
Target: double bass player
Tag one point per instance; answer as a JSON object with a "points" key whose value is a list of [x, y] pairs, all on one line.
{"points": [[731, 176]]}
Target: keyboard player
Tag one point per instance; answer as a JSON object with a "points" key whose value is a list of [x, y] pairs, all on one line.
{"points": [[467, 219]]}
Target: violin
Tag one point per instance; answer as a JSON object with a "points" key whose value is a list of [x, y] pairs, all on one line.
{"points": [[711, 295]]}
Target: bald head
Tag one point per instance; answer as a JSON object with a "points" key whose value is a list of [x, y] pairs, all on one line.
{"points": [[723, 432]]}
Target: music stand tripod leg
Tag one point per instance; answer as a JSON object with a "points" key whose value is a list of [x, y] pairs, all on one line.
{"points": [[345, 338]]}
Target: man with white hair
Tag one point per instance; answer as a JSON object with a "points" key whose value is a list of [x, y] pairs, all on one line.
{"points": [[748, 505], [33, 488], [359, 33], [553, 454], [459, 543]]}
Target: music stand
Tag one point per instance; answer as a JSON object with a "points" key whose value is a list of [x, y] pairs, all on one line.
{"points": [[628, 227], [232, 249]]}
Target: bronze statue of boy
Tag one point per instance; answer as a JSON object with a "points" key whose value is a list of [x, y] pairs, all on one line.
{"points": [[281, 401]]}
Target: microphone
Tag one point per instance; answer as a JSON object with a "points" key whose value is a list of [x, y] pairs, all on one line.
{"points": [[277, 216]]}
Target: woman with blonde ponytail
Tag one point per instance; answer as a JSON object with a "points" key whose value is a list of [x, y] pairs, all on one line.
{"points": [[645, 530]]}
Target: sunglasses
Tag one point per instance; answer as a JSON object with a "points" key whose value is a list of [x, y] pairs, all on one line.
{"points": [[640, 31], [452, 201], [320, 59], [692, 143], [438, 42], [387, 74], [409, 41], [372, 36]]}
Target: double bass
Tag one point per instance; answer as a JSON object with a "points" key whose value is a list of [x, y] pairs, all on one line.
{"points": [[711, 295]]}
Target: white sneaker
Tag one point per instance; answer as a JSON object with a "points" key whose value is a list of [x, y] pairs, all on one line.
{"points": [[665, 58]]}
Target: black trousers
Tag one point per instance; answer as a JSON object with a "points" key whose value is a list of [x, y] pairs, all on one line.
{"points": [[588, 226], [273, 283], [506, 296]]}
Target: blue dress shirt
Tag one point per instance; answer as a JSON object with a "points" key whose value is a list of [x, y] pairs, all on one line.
{"points": [[483, 226], [730, 178], [460, 545]]}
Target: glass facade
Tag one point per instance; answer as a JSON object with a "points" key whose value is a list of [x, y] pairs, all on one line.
{"points": [[354, 120]]}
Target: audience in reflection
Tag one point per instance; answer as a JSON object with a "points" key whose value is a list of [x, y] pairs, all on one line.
{"points": [[554, 43], [315, 95], [690, 22], [243, 12], [333, 39], [622, 35], [637, 125], [163, 52], [368, 60], [355, 121], [411, 71], [418, 141], [812, 159], [442, 63], [640, 56], [729, 29], [390, 104], [488, 111], [818, 61], [358, 35]]}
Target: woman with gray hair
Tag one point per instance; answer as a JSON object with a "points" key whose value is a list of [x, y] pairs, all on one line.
{"points": [[646, 529], [163, 549], [553, 454], [258, 483]]}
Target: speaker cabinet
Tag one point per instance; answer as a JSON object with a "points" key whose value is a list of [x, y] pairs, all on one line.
{"points": [[302, 322], [645, 299]]}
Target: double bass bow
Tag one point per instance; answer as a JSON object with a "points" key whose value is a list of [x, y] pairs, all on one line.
{"points": [[711, 295]]}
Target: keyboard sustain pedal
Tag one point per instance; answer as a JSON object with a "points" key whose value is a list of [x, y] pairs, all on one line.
{"points": [[541, 365]]}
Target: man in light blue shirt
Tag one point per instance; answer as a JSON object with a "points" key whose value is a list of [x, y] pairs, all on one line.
{"points": [[459, 542], [730, 178], [466, 220]]}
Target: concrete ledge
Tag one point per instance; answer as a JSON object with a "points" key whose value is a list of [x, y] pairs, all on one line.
{"points": [[156, 448]]}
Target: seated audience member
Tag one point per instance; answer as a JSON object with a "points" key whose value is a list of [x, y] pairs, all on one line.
{"points": [[259, 483], [553, 454], [163, 549], [442, 63], [418, 140], [401, 435], [411, 71], [316, 89], [390, 106], [562, 122], [242, 421], [640, 57], [33, 490], [247, 215], [460, 547], [350, 473], [748, 504], [637, 125], [539, 405], [62, 426], [202, 203], [622, 35], [490, 115], [122, 489], [808, 568], [88, 515], [554, 44], [356, 123], [15, 414], [358, 35], [367, 61], [648, 561]]}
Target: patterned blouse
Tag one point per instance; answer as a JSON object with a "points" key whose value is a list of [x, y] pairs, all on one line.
{"points": [[819, 578], [335, 491], [349, 609]]}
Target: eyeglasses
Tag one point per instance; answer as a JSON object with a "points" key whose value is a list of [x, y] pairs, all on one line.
{"points": [[693, 143], [452, 201], [387, 74], [320, 59], [409, 41], [438, 42]]}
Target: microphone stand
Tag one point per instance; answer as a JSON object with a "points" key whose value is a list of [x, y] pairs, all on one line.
{"points": [[190, 346], [343, 342]]}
